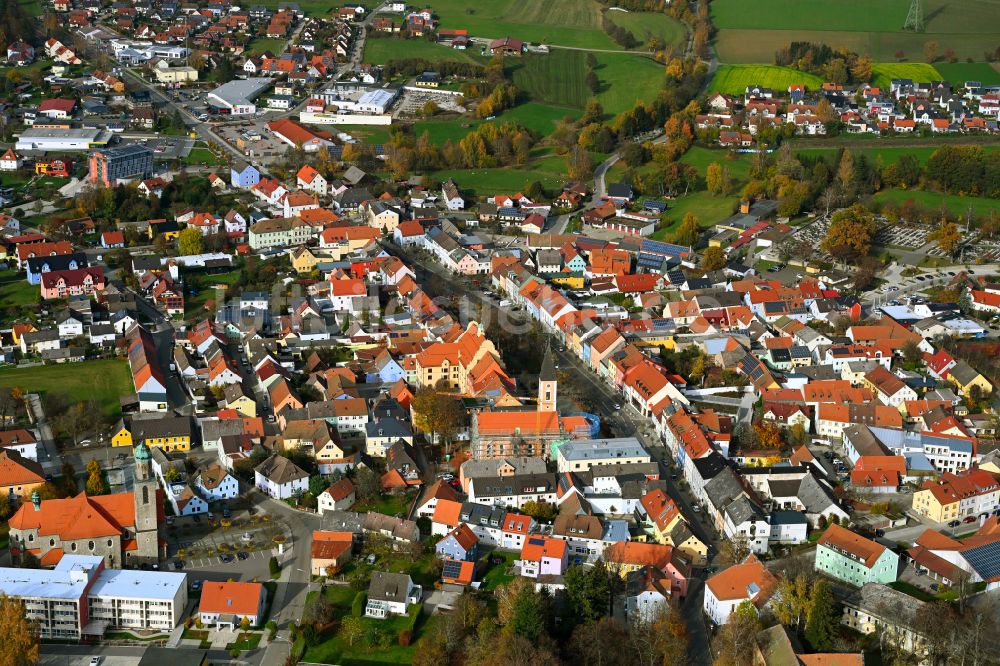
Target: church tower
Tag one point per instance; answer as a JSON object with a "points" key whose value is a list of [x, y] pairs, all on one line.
{"points": [[145, 500], [547, 383]]}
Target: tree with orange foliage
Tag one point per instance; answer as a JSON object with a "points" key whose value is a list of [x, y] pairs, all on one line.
{"points": [[768, 435]]}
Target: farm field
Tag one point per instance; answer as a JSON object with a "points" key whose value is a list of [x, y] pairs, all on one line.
{"points": [[958, 205], [733, 79], [874, 29], [959, 72], [625, 79], [381, 50], [310, 7], [559, 79], [575, 23], [643, 25], [884, 72], [104, 381]]}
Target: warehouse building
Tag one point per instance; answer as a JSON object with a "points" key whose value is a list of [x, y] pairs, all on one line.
{"points": [[237, 97], [61, 140]]}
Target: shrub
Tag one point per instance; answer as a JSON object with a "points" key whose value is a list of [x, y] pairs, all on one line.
{"points": [[405, 638], [275, 567], [272, 629], [358, 605]]}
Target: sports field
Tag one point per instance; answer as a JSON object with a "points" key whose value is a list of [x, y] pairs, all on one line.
{"points": [[734, 79], [574, 23], [381, 50], [884, 72], [970, 28], [984, 72], [644, 25]]}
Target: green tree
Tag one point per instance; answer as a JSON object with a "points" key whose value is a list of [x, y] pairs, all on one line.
{"points": [[822, 620], [528, 618], [587, 590], [96, 484], [189, 241]]}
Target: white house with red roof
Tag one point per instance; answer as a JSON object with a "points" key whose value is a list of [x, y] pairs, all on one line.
{"points": [[310, 179], [9, 161]]}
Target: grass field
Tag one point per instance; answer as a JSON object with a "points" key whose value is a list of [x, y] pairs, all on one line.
{"points": [[644, 25], [104, 381], [540, 118], [884, 72], [202, 155], [574, 23], [734, 79], [381, 50], [15, 290], [969, 28], [707, 208], [960, 72], [261, 44], [310, 7], [700, 158], [559, 79], [549, 171], [956, 204], [625, 79], [31, 7], [556, 78]]}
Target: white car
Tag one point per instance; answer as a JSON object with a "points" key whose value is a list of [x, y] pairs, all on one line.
{"points": [[94, 661], [247, 537]]}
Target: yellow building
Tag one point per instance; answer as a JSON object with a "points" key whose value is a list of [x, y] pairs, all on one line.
{"points": [[965, 377], [569, 280], [304, 261], [19, 476], [955, 496], [171, 434], [122, 436], [240, 401]]}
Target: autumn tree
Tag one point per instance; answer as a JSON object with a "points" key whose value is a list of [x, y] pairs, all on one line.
{"points": [[18, 636], [713, 259], [931, 49], [438, 414], [791, 602], [689, 231], [580, 166], [717, 179], [734, 644], [850, 233], [947, 236], [351, 629], [96, 484], [660, 640], [189, 241], [768, 435]]}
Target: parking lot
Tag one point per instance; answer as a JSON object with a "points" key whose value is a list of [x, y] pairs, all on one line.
{"points": [[411, 103], [254, 139]]}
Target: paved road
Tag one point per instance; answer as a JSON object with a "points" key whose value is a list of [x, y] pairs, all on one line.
{"points": [[600, 189], [48, 452]]}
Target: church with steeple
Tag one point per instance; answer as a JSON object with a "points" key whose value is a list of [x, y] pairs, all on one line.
{"points": [[548, 384], [123, 528]]}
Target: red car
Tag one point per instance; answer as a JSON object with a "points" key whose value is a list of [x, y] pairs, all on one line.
{"points": [[969, 519]]}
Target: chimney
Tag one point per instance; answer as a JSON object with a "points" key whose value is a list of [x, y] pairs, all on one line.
{"points": [[745, 206]]}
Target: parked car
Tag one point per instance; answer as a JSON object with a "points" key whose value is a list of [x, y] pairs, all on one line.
{"points": [[226, 557], [178, 564], [954, 523], [247, 536], [242, 555], [969, 519]]}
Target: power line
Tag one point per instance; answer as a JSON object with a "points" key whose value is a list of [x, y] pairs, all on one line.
{"points": [[915, 17]]}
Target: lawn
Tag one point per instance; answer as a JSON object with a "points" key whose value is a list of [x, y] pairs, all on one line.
{"points": [[700, 158], [884, 72], [104, 381], [244, 641], [575, 23], [875, 29], [549, 171], [539, 118], [15, 291], [381, 50], [961, 72], [204, 284], [644, 25], [734, 79], [273, 44], [31, 7], [202, 155], [496, 575], [390, 505], [709, 210], [958, 205]]}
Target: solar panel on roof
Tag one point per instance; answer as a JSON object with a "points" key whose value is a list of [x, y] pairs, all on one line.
{"points": [[536, 541], [985, 559], [451, 569]]}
